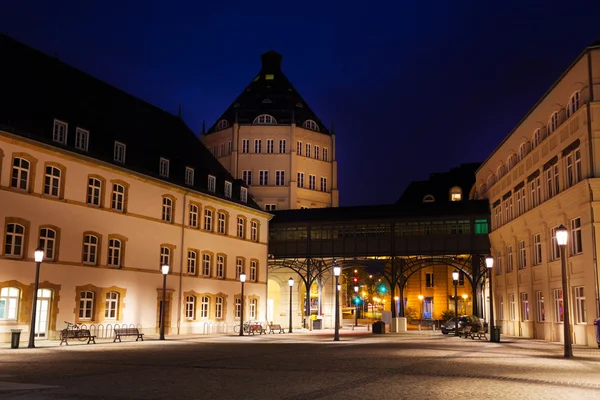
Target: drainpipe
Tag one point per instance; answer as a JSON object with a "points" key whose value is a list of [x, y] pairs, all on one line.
{"points": [[181, 253]]}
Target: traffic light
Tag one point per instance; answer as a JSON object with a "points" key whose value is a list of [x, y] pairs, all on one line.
{"points": [[355, 279], [357, 300], [382, 288]]}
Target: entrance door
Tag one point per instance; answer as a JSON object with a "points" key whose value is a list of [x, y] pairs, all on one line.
{"points": [[428, 307], [42, 313]]}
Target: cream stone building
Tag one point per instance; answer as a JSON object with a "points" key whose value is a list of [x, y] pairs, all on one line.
{"points": [[543, 175], [270, 138], [111, 188]]}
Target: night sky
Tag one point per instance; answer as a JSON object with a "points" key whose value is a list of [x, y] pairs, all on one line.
{"points": [[413, 87]]}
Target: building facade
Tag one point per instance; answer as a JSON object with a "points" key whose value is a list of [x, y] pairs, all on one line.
{"points": [[543, 175], [112, 188], [271, 139]]}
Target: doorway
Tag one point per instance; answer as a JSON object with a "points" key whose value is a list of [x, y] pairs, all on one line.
{"points": [[42, 315]]}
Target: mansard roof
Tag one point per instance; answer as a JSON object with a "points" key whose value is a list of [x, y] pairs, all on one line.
{"points": [[37, 89], [271, 93]]}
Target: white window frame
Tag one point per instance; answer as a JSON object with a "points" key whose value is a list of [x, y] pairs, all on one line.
{"points": [[111, 306], [541, 310], [167, 209], [524, 297], [206, 265], [558, 306], [312, 182], [554, 247], [245, 146], [280, 178], [257, 146], [165, 256], [48, 239], [537, 249], [86, 298], [576, 238], [14, 240], [59, 132], [208, 214], [192, 262], [501, 308], [10, 301], [204, 307], [163, 167], [118, 197], [212, 183], [94, 193], [325, 154], [253, 270], [270, 146], [300, 179], [310, 124], [512, 311], [253, 306], [247, 177], [244, 195], [317, 152], [270, 207], [299, 148], [90, 249], [82, 139], [239, 267], [263, 177], [509, 259], [323, 184], [119, 152], [190, 307], [22, 169], [52, 178], [573, 104], [308, 150], [522, 255], [241, 227], [254, 231], [189, 176], [221, 223], [282, 146], [238, 307], [219, 307], [115, 247], [193, 212], [264, 119], [228, 189], [580, 306], [220, 268]]}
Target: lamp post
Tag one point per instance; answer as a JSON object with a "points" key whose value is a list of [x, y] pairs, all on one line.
{"points": [[561, 240], [242, 279], [356, 303], [455, 282], [420, 297], [165, 271], [337, 271], [489, 263], [291, 285], [38, 256]]}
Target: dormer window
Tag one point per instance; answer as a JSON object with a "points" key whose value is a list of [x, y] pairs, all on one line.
{"points": [[428, 198], [228, 189], [310, 124], [222, 124], [267, 101], [264, 119], [82, 138], [299, 105], [212, 183], [163, 168], [269, 77], [189, 176], [455, 194], [243, 195], [59, 134], [119, 152]]}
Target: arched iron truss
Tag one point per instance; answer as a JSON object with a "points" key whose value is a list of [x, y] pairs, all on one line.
{"points": [[395, 270]]}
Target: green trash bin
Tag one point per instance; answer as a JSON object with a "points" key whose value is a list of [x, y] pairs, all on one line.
{"points": [[495, 334], [15, 338]]}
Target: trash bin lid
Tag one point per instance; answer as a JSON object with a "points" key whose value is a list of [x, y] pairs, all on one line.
{"points": [[16, 330]]}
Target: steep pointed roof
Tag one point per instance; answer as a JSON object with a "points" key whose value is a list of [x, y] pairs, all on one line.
{"points": [[270, 92]]}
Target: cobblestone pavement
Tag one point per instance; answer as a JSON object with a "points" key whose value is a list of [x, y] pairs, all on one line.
{"points": [[301, 366]]}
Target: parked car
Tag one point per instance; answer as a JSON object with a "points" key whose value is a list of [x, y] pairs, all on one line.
{"points": [[465, 320]]}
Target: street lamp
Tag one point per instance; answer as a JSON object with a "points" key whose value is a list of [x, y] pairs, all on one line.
{"points": [[455, 282], [165, 271], [337, 271], [465, 297], [242, 279], [561, 240], [356, 301], [489, 263], [420, 297], [291, 285], [38, 256]]}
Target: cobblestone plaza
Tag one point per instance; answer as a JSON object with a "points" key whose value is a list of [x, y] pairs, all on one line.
{"points": [[298, 366]]}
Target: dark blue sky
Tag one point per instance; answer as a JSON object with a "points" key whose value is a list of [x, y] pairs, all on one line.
{"points": [[414, 87]]}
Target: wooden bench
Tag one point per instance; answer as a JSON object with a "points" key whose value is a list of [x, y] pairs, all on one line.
{"points": [[253, 328], [480, 334], [79, 334], [466, 332], [273, 328], [128, 332]]}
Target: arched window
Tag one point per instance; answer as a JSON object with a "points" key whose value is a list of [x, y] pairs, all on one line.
{"points": [[20, 174], [9, 303], [500, 171], [428, 198], [510, 163], [482, 189], [455, 194], [90, 249], [535, 139], [264, 119], [222, 124], [573, 104], [114, 252], [165, 256], [523, 150], [112, 303], [491, 180], [310, 124], [52, 181], [48, 243], [553, 122]]}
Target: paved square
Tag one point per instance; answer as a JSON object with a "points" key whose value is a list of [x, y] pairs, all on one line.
{"points": [[301, 366]]}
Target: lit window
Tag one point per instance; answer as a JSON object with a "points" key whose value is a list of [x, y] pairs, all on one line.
{"points": [[310, 124], [264, 119], [269, 77], [9, 303], [455, 194], [59, 134]]}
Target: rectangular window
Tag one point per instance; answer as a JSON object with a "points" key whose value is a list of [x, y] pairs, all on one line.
{"points": [[501, 308], [247, 177], [317, 152], [212, 183], [325, 154], [190, 307], [90, 249], [558, 305], [576, 243], [481, 227], [243, 195], [270, 146], [48, 243], [254, 231], [167, 209], [524, 307], [280, 178], [556, 179], [498, 263], [538, 190], [163, 169], [206, 265], [221, 223], [119, 152], [220, 273], [270, 207], [86, 305], [518, 201], [229, 147], [241, 227], [429, 280], [299, 148], [239, 267], [253, 271], [537, 249], [59, 133], [532, 198], [512, 307], [554, 247], [52, 181], [300, 179], [219, 308], [189, 176], [238, 307], [221, 149], [20, 174], [228, 189], [541, 311], [81, 139], [282, 148], [522, 255], [312, 182], [111, 305], [509, 259], [246, 146], [192, 262], [165, 256], [308, 150], [258, 146], [263, 177], [193, 217], [253, 303], [9, 303], [208, 220], [204, 307], [580, 310], [114, 252], [323, 184]]}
